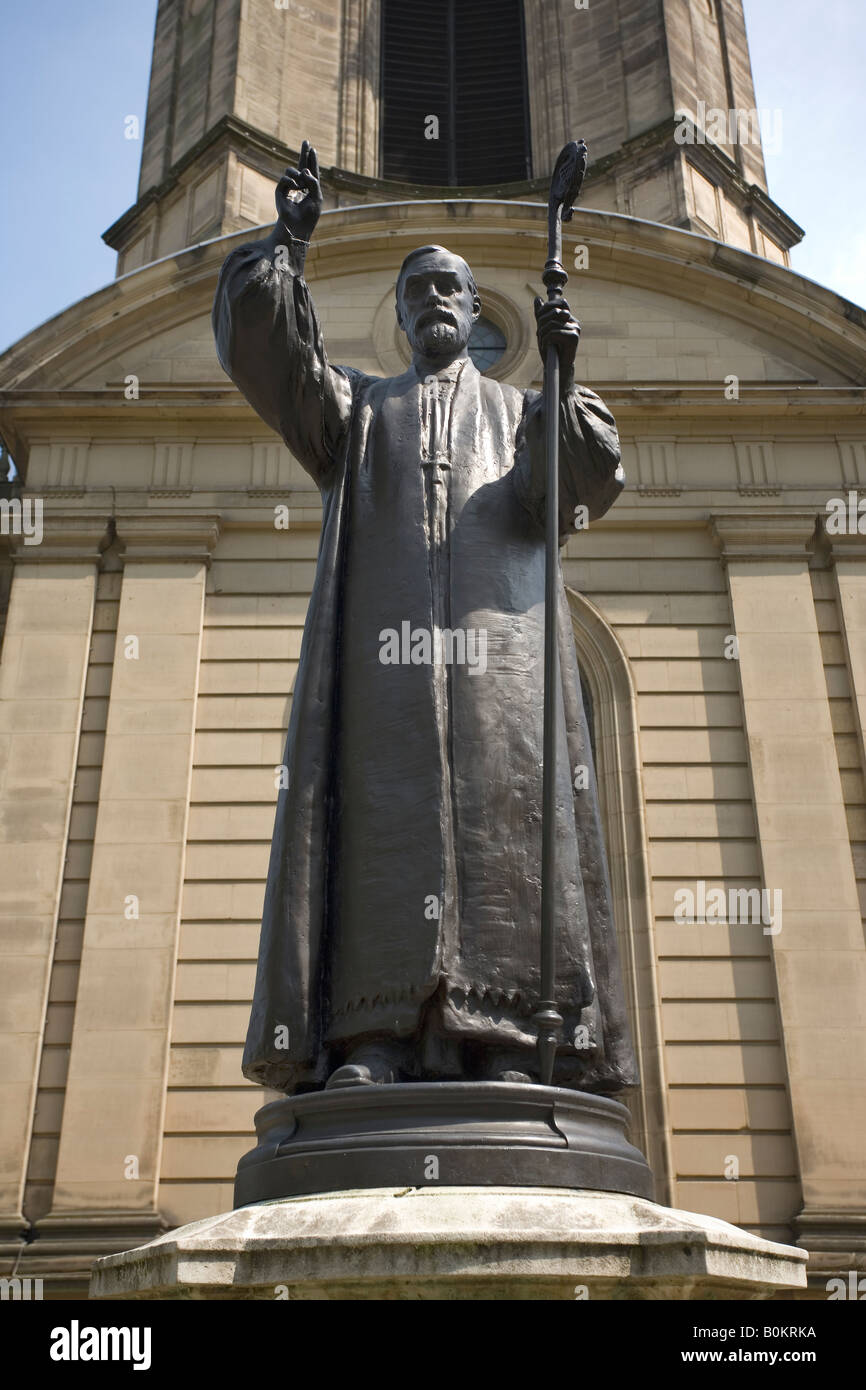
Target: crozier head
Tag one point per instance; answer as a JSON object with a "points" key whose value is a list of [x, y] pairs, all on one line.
{"points": [[437, 302]]}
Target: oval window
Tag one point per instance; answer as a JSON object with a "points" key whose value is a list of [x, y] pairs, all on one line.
{"points": [[486, 344]]}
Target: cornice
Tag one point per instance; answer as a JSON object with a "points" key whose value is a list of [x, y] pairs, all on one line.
{"points": [[69, 536], [155, 536], [763, 535], [200, 401], [232, 132], [225, 133], [846, 548]]}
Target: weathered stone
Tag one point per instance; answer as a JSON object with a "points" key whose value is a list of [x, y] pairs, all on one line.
{"points": [[454, 1243]]}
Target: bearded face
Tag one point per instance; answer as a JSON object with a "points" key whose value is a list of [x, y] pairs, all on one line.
{"points": [[437, 306]]}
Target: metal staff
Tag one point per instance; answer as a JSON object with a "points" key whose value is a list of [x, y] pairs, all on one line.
{"points": [[564, 188]]}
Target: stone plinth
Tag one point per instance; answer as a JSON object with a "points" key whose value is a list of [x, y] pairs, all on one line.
{"points": [[454, 1243]]}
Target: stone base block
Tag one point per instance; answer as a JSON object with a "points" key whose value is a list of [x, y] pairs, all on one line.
{"points": [[454, 1243]]}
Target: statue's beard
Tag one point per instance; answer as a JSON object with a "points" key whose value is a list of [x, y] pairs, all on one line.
{"points": [[439, 337]]}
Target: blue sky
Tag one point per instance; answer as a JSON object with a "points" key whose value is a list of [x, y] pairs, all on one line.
{"points": [[74, 71]]}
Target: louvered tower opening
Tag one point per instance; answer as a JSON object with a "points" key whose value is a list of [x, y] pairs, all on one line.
{"points": [[461, 63]]}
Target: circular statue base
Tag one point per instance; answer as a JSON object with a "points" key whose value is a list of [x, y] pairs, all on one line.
{"points": [[456, 1134], [454, 1243]]}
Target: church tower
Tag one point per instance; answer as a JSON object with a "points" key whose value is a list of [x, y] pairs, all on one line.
{"points": [[408, 101]]}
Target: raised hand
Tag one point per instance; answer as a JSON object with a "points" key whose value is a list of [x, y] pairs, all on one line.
{"points": [[300, 215]]}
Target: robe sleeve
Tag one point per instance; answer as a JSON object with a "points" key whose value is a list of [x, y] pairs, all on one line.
{"points": [[590, 471], [269, 342]]}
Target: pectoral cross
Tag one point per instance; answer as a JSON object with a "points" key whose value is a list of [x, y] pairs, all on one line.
{"points": [[437, 401]]}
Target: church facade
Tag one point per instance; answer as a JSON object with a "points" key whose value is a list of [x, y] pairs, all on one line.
{"points": [[158, 551]]}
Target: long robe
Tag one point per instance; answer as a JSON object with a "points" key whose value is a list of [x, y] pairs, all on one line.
{"points": [[405, 869]]}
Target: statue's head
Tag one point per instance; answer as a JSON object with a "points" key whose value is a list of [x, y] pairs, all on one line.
{"points": [[437, 302]]}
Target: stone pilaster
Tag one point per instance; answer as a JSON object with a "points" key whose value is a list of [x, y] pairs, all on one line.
{"points": [[108, 1165], [849, 561], [819, 955], [42, 678]]}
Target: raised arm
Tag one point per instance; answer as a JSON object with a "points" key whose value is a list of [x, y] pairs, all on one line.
{"points": [[267, 333], [590, 471]]}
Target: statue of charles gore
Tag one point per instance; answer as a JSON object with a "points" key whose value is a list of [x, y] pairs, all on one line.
{"points": [[400, 934]]}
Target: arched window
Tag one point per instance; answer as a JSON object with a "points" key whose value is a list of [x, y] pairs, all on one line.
{"points": [[590, 717], [611, 711], [455, 107]]}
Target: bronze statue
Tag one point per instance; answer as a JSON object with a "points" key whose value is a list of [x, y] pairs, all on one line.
{"points": [[400, 935]]}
